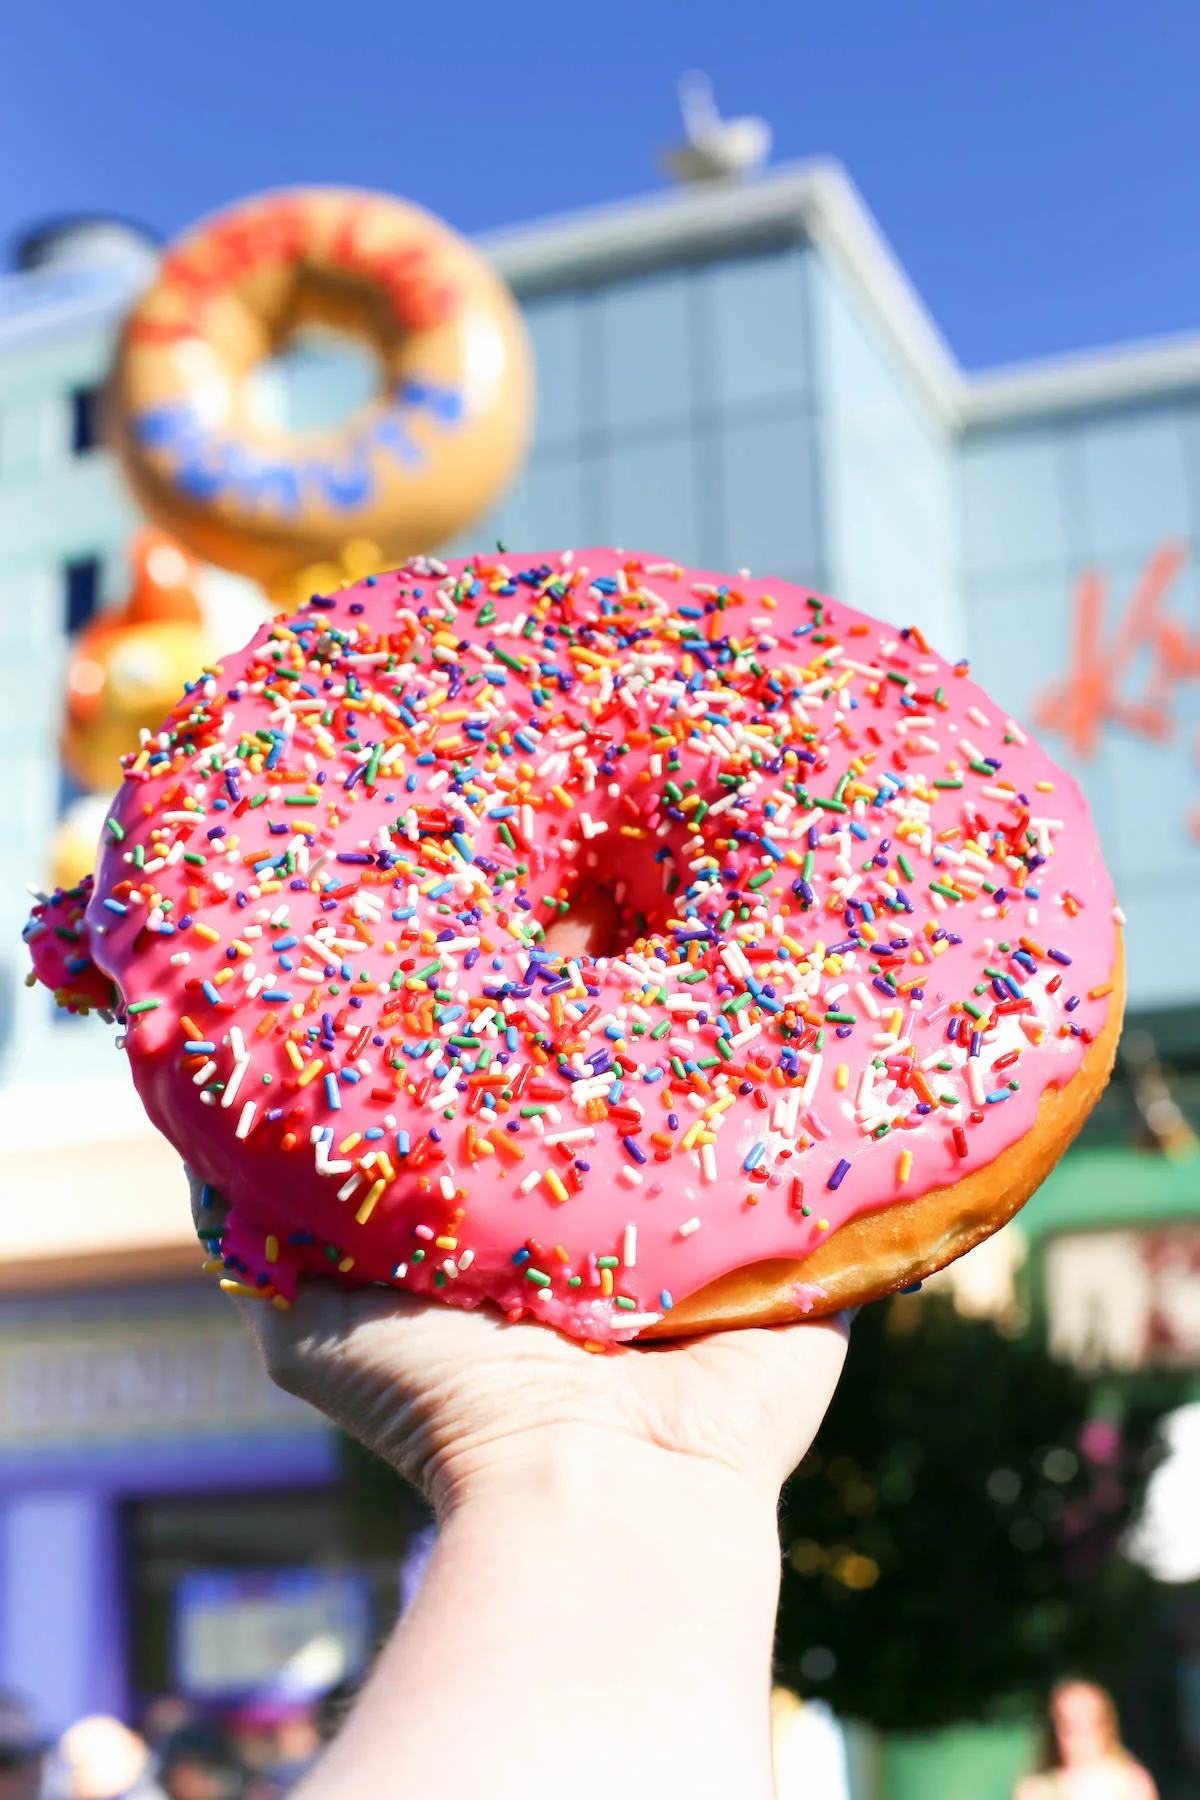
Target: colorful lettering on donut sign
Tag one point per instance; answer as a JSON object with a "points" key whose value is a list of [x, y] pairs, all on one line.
{"points": [[283, 230], [1147, 644], [208, 462]]}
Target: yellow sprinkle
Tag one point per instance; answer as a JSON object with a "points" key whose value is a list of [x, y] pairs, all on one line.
{"points": [[207, 933], [564, 799], [345, 1266], [822, 1224], [241, 1288], [294, 1056], [556, 1186], [348, 1143], [905, 1166], [271, 1249], [280, 1304], [842, 1076], [371, 1202], [313, 1070], [896, 1022], [446, 1243], [606, 1281]]}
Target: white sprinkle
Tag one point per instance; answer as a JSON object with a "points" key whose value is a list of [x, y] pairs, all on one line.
{"points": [[530, 1182], [629, 1247], [246, 1119], [688, 1226]]}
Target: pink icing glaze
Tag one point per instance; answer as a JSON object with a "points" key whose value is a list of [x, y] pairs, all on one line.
{"points": [[778, 688]]}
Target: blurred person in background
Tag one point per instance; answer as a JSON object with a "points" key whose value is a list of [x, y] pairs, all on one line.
{"points": [[21, 1749], [164, 1717], [197, 1763], [807, 1749], [1085, 1759], [276, 1742], [98, 1758]]}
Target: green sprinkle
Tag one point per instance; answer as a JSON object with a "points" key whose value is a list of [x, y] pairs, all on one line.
{"points": [[141, 1006], [117, 830]]}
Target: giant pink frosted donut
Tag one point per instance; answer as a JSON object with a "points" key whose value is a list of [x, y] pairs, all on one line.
{"points": [[860, 939]]}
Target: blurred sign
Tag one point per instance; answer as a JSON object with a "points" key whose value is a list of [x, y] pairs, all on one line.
{"points": [[1126, 1299], [286, 1634], [1128, 674], [151, 1377]]}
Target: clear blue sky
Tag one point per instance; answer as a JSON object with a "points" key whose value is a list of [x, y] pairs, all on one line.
{"points": [[1034, 163]]}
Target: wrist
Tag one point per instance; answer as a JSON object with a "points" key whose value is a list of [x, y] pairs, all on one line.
{"points": [[578, 1468]]}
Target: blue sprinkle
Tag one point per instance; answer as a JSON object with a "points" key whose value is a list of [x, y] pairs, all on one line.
{"points": [[199, 1047], [665, 1301], [756, 1155], [332, 1093]]}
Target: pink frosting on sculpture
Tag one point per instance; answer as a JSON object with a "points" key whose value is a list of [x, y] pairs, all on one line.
{"points": [[863, 924]]}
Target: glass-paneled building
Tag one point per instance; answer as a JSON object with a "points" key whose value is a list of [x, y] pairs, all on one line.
{"points": [[736, 376]]}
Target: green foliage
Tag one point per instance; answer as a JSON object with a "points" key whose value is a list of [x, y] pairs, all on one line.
{"points": [[950, 1542]]}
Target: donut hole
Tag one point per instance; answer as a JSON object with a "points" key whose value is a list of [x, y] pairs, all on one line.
{"points": [[318, 376], [593, 925]]}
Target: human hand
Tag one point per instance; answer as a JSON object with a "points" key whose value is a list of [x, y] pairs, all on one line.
{"points": [[453, 1398]]}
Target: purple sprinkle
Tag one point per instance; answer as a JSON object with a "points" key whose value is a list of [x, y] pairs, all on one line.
{"points": [[839, 1174]]}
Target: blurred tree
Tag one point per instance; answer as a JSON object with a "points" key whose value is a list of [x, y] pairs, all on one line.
{"points": [[951, 1540]]}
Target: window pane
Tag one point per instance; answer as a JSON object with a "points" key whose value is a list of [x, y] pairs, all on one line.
{"points": [[554, 327], [647, 353], [81, 592], [85, 420], [758, 324], [769, 485], [652, 499]]}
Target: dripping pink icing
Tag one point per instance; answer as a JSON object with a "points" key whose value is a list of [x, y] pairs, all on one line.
{"points": [[804, 680]]}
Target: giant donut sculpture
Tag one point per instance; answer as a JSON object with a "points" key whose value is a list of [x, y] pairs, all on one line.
{"points": [[441, 439]]}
